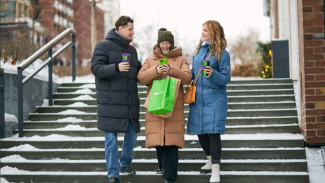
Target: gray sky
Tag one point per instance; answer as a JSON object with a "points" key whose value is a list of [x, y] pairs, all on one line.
{"points": [[185, 17]]}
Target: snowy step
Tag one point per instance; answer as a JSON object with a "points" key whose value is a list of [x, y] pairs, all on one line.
{"points": [[262, 105], [232, 106], [87, 99], [65, 113], [262, 98], [30, 152], [228, 141], [92, 92], [299, 165], [17, 175], [76, 130], [231, 121]]}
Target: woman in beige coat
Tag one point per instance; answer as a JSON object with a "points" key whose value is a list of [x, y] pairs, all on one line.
{"points": [[166, 134]]}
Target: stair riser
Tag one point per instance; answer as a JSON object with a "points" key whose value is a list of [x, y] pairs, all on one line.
{"points": [[188, 144], [97, 133], [262, 106], [290, 112], [93, 124], [99, 154], [142, 94], [93, 116], [230, 99], [101, 166], [157, 178]]}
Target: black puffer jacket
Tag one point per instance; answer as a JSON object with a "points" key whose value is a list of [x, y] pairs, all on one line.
{"points": [[117, 92]]}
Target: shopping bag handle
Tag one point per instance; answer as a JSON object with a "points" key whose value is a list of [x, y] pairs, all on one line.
{"points": [[197, 76], [168, 72]]}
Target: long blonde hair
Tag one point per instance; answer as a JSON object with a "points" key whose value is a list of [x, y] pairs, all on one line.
{"points": [[218, 40]]}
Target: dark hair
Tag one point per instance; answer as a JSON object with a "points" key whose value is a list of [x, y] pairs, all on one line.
{"points": [[123, 21]]}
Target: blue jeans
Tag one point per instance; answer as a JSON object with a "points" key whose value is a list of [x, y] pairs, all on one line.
{"points": [[113, 162]]}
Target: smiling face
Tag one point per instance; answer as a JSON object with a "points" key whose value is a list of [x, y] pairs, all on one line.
{"points": [[164, 46], [205, 34], [127, 31]]}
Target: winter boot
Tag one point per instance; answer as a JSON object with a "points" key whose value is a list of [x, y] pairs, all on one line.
{"points": [[113, 180], [128, 170], [207, 167], [215, 175]]}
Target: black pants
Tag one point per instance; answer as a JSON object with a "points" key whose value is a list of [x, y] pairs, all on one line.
{"points": [[168, 160], [211, 144]]}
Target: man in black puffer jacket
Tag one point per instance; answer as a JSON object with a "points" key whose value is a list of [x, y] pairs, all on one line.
{"points": [[117, 95]]}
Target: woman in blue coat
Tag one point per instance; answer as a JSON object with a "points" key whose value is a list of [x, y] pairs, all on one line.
{"points": [[208, 113]]}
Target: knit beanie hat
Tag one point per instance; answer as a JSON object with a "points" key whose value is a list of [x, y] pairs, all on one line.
{"points": [[165, 35]]}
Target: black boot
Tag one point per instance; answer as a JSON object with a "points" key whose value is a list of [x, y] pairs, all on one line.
{"points": [[113, 180], [128, 170], [159, 171]]}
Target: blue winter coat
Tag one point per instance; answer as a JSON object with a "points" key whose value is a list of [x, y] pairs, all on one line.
{"points": [[209, 112]]}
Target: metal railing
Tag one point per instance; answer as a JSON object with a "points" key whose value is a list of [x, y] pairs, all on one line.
{"points": [[2, 104], [48, 62]]}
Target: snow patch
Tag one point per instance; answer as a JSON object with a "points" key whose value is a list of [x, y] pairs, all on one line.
{"points": [[84, 97], [10, 118], [24, 147], [13, 158], [78, 104], [84, 91], [72, 111], [72, 127], [70, 119]]}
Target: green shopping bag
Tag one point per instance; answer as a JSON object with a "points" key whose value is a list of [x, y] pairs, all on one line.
{"points": [[162, 96]]}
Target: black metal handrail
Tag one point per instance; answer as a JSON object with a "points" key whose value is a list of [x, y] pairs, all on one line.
{"points": [[2, 104], [46, 48]]}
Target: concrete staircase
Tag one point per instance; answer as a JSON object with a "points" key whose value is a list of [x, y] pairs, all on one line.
{"points": [[62, 144]]}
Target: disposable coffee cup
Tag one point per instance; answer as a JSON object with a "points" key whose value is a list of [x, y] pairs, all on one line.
{"points": [[162, 61], [205, 63], [126, 57]]}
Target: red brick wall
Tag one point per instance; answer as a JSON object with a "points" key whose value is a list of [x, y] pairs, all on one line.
{"points": [[82, 27], [46, 18], [312, 70], [81, 22]]}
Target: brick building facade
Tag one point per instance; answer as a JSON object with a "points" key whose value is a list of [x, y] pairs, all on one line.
{"points": [[301, 22], [57, 15], [53, 17], [312, 69]]}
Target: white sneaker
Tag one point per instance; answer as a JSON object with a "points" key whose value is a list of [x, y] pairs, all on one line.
{"points": [[215, 175], [207, 167]]}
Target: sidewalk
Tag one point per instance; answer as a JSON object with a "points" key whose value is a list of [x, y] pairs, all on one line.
{"points": [[315, 157]]}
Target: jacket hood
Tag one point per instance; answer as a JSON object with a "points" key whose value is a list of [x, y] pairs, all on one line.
{"points": [[113, 36], [176, 52]]}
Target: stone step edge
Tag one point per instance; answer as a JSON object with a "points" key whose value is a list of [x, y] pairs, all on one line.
{"points": [[143, 161], [6, 171], [143, 149], [143, 128], [224, 137]]}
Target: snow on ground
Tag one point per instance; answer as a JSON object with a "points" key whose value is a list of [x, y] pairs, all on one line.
{"points": [[315, 165], [77, 104], [3, 180], [82, 79], [70, 119], [72, 111], [10, 118], [87, 86], [45, 102], [72, 127], [23, 147], [84, 91], [84, 97], [11, 158]]}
